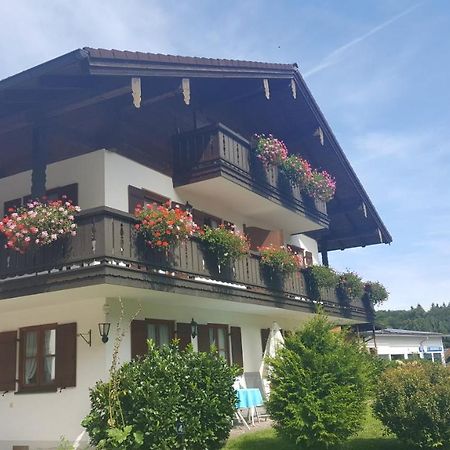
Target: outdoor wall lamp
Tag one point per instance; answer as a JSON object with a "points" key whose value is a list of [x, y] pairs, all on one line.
{"points": [[194, 328], [103, 329], [188, 207]]}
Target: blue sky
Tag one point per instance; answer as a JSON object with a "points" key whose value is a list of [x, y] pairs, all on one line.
{"points": [[378, 69]]}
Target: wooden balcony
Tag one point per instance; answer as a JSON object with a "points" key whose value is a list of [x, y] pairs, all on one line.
{"points": [[205, 156], [107, 250]]}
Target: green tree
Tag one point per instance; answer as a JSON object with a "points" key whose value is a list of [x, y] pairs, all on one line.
{"points": [[320, 381]]}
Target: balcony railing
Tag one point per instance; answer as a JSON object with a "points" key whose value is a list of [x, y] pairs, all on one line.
{"points": [[107, 238], [215, 151]]}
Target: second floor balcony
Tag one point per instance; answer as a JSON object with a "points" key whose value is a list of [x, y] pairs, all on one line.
{"points": [[107, 250], [219, 165]]}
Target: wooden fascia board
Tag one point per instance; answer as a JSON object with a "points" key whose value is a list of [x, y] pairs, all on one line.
{"points": [[101, 66], [322, 122], [44, 68]]}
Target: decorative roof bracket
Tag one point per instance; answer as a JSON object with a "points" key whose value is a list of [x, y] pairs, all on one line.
{"points": [[186, 86], [266, 88], [136, 91]]}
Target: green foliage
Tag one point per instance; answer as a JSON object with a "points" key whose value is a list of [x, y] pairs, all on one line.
{"points": [[320, 277], [297, 170], [436, 319], [350, 286], [156, 391], [224, 244], [320, 381], [279, 259], [376, 292], [413, 401]]}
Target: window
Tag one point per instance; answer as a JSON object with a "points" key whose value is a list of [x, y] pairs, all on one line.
{"points": [[386, 357], [397, 357], [160, 331], [204, 219], [37, 357], [218, 336], [138, 196], [428, 356], [70, 191]]}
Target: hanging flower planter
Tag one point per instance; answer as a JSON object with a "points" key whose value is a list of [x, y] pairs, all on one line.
{"points": [[163, 226], [321, 186], [271, 151], [281, 260], [225, 245], [38, 224]]}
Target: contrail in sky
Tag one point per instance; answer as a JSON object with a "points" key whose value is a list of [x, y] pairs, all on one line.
{"points": [[334, 56]]}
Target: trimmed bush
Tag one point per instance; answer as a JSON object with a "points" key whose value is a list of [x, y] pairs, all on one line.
{"points": [[140, 407], [320, 381], [413, 401]]}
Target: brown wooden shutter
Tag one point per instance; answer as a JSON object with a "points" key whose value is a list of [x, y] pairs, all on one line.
{"points": [[236, 346], [184, 334], [203, 338], [259, 237], [66, 355], [139, 336], [264, 337], [135, 197], [8, 360]]}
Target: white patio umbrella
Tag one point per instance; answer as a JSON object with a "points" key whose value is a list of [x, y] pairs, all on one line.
{"points": [[274, 342]]}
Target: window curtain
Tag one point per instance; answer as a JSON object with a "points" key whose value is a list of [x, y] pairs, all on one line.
{"points": [[31, 357]]}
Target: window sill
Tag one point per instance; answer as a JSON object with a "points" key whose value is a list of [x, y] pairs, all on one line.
{"points": [[36, 390]]}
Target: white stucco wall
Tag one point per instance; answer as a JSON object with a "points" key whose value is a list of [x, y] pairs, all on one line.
{"points": [[103, 178], [40, 419]]}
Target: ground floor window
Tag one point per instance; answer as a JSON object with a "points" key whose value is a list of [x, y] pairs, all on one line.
{"points": [[37, 356], [161, 332], [218, 336]]}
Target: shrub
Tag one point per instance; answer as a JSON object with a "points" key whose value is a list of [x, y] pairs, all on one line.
{"points": [[350, 286], [162, 226], [271, 151], [280, 259], [321, 185], [319, 386], [413, 401], [39, 223], [297, 170], [224, 244], [155, 392], [376, 292], [318, 277]]}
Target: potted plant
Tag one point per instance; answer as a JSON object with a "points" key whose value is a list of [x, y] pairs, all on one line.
{"points": [[280, 260], [163, 226], [319, 278], [38, 224], [321, 186], [375, 292], [224, 244], [297, 170], [350, 287], [270, 150]]}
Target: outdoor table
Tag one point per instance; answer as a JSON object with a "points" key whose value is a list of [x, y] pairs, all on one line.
{"points": [[250, 399]]}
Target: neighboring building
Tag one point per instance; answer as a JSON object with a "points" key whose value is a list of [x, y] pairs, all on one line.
{"points": [[394, 344], [112, 129]]}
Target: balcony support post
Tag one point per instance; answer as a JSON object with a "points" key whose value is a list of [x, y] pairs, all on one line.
{"points": [[324, 254], [38, 162]]}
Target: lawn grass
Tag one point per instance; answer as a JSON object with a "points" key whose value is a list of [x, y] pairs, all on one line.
{"points": [[370, 438]]}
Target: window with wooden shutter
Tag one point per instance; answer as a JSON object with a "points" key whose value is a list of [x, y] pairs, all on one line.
{"points": [[140, 196], [8, 360], [204, 219], [66, 355], [264, 338], [203, 338], [236, 346], [138, 338], [11, 204], [183, 334], [161, 332]]}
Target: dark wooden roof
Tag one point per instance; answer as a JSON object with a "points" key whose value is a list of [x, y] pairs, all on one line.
{"points": [[77, 79]]}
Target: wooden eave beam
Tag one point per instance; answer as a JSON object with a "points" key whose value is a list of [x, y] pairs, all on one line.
{"points": [[26, 118]]}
